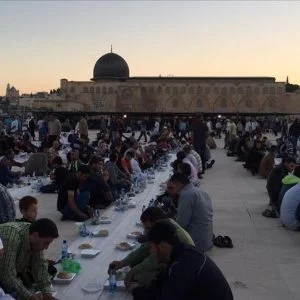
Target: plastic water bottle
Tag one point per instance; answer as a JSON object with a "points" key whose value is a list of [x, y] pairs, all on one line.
{"points": [[112, 282], [64, 250]]}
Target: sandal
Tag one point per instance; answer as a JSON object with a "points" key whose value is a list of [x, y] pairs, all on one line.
{"points": [[270, 214], [219, 241], [228, 242]]}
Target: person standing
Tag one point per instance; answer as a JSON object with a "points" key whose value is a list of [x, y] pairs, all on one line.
{"points": [[199, 135], [83, 127], [31, 127], [54, 129]]}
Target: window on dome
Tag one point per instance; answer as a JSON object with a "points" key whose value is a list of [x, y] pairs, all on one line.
{"points": [[104, 91], [97, 90], [85, 89], [167, 90], [191, 90], [92, 90]]}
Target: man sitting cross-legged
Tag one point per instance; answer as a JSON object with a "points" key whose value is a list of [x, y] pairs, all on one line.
{"points": [[23, 248], [71, 201], [144, 266], [190, 273]]}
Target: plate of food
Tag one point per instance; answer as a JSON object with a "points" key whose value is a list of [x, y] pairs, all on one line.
{"points": [[85, 246], [125, 246], [105, 220], [90, 252], [64, 277], [134, 234], [100, 233]]}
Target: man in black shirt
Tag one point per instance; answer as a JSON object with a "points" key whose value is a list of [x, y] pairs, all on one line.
{"points": [[71, 201], [97, 185], [190, 274]]}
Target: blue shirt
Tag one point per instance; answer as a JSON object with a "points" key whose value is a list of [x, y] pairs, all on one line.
{"points": [[290, 206]]}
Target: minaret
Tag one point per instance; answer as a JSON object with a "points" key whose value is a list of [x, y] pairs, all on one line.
{"points": [[110, 48], [287, 79]]}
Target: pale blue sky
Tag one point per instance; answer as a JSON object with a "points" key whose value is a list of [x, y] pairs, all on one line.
{"points": [[42, 42]]}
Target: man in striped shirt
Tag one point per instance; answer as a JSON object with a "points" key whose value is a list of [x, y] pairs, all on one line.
{"points": [[23, 245]]}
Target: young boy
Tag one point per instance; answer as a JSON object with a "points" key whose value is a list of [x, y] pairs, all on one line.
{"points": [[29, 209]]}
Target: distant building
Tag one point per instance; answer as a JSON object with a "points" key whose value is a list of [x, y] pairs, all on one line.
{"points": [[12, 94], [113, 90]]}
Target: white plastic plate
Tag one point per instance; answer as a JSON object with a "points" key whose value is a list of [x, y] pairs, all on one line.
{"points": [[90, 252], [92, 288]]}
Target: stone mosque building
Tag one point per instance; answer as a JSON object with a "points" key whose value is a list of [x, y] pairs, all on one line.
{"points": [[113, 90]]}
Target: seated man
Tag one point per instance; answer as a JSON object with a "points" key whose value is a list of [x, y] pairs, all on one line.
{"points": [[195, 213], [28, 206], [37, 164], [290, 208], [52, 153], [7, 177], [274, 183], [126, 162], [23, 248], [71, 201], [58, 176], [97, 185], [267, 163], [144, 266], [190, 273], [7, 206], [117, 179]]}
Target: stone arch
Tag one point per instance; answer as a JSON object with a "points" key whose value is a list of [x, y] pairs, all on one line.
{"points": [[85, 89]]}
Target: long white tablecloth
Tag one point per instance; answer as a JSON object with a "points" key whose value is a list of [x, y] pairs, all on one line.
{"points": [[94, 270]]}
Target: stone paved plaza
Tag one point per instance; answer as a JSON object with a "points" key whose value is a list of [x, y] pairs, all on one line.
{"points": [[264, 263]]}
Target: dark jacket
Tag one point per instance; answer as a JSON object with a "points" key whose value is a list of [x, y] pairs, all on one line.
{"points": [[274, 183], [191, 275]]}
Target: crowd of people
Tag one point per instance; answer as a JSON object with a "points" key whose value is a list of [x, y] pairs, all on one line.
{"points": [[88, 175], [278, 163]]}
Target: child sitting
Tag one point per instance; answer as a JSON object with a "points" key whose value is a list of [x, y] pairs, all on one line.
{"points": [[28, 206]]}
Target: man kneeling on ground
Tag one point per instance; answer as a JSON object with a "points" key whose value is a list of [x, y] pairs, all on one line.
{"points": [[23, 248]]}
